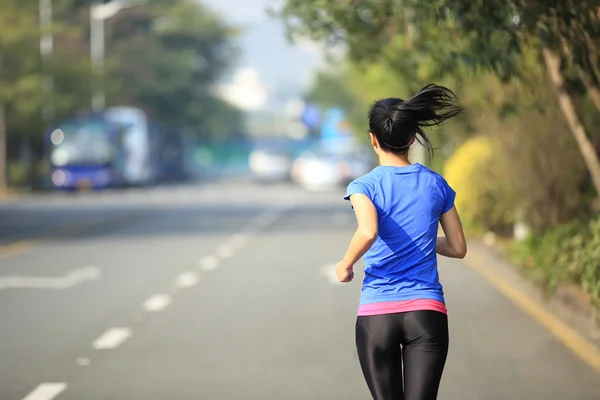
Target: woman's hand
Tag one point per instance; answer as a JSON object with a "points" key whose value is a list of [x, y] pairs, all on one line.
{"points": [[344, 272]]}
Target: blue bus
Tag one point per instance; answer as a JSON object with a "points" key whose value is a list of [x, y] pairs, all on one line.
{"points": [[85, 152], [119, 147], [140, 165]]}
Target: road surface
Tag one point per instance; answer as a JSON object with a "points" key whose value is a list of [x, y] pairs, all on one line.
{"points": [[225, 292]]}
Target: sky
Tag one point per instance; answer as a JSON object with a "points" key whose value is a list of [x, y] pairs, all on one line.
{"points": [[270, 69]]}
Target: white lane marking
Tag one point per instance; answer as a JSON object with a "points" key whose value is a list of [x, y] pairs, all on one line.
{"points": [[225, 251], [328, 271], [187, 279], [208, 263], [84, 362], [73, 278], [112, 338], [158, 302], [239, 240], [46, 391]]}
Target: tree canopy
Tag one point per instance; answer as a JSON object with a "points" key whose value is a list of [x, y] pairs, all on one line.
{"points": [[164, 57], [452, 40]]}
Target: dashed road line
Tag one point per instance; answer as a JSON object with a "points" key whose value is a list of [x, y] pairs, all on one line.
{"points": [[187, 279], [225, 251], [112, 338], [84, 362], [46, 391], [68, 281], [156, 303], [239, 240], [208, 263]]}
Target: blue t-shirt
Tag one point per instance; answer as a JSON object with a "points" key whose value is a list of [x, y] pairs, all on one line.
{"points": [[402, 263]]}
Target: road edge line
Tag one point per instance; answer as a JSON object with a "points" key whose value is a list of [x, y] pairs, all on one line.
{"points": [[568, 336], [15, 248]]}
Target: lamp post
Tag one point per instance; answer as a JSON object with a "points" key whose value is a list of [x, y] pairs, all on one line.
{"points": [[99, 13], [46, 50]]}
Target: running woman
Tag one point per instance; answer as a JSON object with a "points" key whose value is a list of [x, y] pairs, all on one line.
{"points": [[402, 324]]}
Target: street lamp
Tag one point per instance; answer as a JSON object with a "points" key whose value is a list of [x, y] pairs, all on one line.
{"points": [[99, 13], [46, 50]]}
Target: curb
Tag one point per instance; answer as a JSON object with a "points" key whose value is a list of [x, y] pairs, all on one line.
{"points": [[569, 301], [566, 314]]}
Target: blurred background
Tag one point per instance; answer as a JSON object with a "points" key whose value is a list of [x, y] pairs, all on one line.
{"points": [[153, 148], [114, 94]]}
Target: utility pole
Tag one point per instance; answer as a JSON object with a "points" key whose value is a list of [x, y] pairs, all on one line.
{"points": [[99, 13], [97, 56], [46, 51]]}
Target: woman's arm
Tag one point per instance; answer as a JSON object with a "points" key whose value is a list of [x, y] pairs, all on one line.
{"points": [[453, 244], [364, 237]]}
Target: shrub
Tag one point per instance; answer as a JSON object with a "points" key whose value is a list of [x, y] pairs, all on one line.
{"points": [[569, 253], [478, 173]]}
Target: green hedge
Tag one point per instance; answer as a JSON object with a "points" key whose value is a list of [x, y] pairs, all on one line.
{"points": [[567, 254]]}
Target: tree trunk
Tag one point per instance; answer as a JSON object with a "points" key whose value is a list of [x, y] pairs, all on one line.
{"points": [[585, 73], [3, 183], [567, 107], [591, 86], [3, 138]]}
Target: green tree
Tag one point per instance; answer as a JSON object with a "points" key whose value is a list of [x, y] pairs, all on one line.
{"points": [[186, 49], [329, 89], [438, 38], [21, 80], [161, 56], [19, 73]]}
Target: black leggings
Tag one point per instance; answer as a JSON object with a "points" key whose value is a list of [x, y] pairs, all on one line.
{"points": [[417, 339]]}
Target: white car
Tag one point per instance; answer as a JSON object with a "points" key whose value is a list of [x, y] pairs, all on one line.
{"points": [[323, 169], [270, 164]]}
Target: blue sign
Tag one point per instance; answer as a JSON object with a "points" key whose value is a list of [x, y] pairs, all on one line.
{"points": [[334, 125], [311, 116]]}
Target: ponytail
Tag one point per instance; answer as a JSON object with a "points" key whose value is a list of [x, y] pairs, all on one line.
{"points": [[395, 122]]}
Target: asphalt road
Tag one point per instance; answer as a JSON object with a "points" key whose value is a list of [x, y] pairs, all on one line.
{"points": [[225, 291]]}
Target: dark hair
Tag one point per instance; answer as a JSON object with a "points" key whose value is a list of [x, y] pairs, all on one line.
{"points": [[395, 122]]}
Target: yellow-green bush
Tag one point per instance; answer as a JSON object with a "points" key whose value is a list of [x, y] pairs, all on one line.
{"points": [[485, 196]]}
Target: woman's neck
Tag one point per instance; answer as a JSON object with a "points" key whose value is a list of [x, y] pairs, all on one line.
{"points": [[394, 160]]}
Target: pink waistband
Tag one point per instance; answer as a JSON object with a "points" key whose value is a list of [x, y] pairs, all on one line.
{"points": [[389, 307]]}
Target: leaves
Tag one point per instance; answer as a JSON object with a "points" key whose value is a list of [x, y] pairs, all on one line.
{"points": [[161, 56]]}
